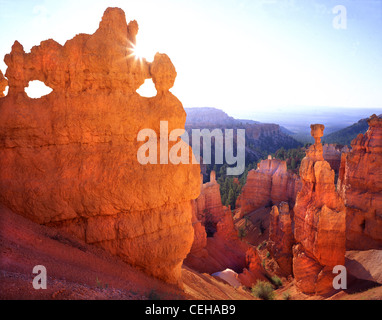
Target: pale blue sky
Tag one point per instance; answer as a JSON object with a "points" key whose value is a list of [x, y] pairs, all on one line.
{"points": [[239, 56]]}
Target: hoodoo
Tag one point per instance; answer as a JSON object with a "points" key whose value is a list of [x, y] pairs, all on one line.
{"points": [[360, 185], [319, 216], [69, 159]]}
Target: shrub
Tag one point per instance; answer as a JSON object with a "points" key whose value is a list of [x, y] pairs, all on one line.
{"points": [[100, 285], [277, 281], [263, 290], [287, 296], [242, 233]]}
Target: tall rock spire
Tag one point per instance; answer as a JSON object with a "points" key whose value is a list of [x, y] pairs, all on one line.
{"points": [[319, 222]]}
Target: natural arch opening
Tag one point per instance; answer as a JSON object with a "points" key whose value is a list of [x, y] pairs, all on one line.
{"points": [[5, 91], [37, 89], [147, 89]]}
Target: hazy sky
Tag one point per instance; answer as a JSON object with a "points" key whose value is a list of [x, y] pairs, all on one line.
{"points": [[239, 56]]}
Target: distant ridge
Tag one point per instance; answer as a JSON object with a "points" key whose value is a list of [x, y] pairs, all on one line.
{"points": [[208, 115], [262, 139], [347, 135]]}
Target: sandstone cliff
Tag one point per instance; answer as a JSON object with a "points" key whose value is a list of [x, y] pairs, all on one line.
{"points": [[270, 184], [281, 238], [216, 243], [319, 216], [69, 159], [360, 185]]}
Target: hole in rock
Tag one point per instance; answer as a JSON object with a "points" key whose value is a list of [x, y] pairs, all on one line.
{"points": [[6, 91], [147, 89], [37, 89]]}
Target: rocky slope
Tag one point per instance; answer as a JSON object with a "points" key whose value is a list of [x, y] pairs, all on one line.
{"points": [[69, 159], [79, 271], [360, 185]]}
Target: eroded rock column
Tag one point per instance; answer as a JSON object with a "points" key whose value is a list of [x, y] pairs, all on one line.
{"points": [[319, 223]]}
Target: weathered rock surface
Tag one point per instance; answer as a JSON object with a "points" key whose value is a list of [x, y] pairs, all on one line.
{"points": [[281, 237], [218, 248], [69, 159], [319, 216], [360, 185], [200, 234], [214, 249], [253, 271], [271, 183]]}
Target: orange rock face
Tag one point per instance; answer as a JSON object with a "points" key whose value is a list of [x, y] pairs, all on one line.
{"points": [[271, 183], [215, 235], [216, 244], [319, 216], [254, 270], [360, 185], [69, 159], [281, 237]]}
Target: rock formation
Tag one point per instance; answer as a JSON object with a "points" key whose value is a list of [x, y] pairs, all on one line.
{"points": [[360, 185], [332, 154], [3, 84], [200, 234], [319, 216], [254, 270], [281, 237], [270, 184], [215, 236], [216, 243], [69, 159]]}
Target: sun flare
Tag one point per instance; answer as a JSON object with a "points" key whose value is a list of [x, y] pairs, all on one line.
{"points": [[137, 52]]}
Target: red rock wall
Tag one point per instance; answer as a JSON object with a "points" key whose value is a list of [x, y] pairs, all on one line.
{"points": [[69, 159], [222, 248], [271, 183], [360, 185], [281, 238]]}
